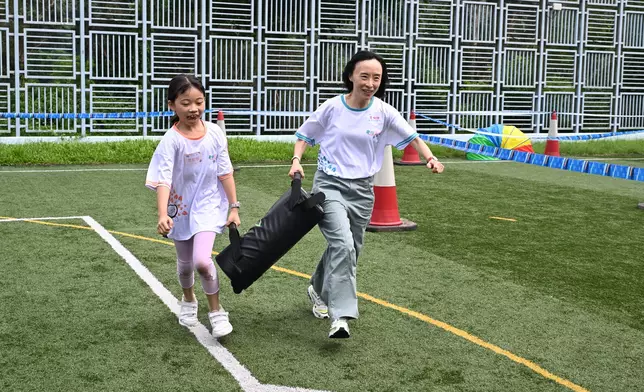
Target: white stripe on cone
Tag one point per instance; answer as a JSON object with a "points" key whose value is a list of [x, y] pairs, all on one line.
{"points": [[385, 177], [220, 121]]}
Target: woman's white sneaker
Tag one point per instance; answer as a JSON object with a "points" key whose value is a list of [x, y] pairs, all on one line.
{"points": [[320, 310], [339, 329]]}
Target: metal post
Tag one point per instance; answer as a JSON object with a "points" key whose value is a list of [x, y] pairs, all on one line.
{"points": [[615, 124], [499, 48], [260, 15], [580, 70], [455, 62], [363, 26], [144, 59], [82, 65], [204, 28], [16, 71], [540, 76], [312, 57], [410, 57]]}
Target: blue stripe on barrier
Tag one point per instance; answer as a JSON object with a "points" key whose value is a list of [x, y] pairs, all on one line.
{"points": [[570, 164], [620, 171], [506, 154], [577, 165], [598, 168], [539, 160], [521, 156], [557, 163]]}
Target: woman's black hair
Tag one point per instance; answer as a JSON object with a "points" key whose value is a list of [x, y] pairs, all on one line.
{"points": [[362, 56], [179, 85]]}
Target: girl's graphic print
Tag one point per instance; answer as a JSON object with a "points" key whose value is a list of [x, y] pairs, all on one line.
{"points": [[176, 208]]}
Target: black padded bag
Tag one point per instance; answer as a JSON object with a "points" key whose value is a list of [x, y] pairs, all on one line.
{"points": [[289, 219]]}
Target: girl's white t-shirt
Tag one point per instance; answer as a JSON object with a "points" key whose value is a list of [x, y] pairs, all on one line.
{"points": [[352, 141], [191, 169]]}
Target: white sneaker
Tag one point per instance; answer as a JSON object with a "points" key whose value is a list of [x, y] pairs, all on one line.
{"points": [[339, 329], [188, 312], [320, 310], [220, 323]]}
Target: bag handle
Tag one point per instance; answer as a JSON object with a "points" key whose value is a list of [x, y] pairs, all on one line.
{"points": [[296, 186], [235, 241]]}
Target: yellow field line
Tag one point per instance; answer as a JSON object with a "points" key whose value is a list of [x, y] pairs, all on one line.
{"points": [[503, 219], [456, 331]]}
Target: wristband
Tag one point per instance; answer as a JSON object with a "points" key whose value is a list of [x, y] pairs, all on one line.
{"points": [[294, 158]]}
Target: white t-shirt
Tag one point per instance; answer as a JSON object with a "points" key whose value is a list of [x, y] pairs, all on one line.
{"points": [[191, 169], [352, 141]]}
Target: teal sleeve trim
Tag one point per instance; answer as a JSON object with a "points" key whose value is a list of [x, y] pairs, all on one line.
{"points": [[405, 142]]}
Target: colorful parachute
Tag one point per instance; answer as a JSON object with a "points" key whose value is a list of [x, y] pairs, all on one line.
{"points": [[509, 137]]}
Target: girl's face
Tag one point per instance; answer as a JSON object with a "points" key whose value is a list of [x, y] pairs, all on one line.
{"points": [[189, 106], [366, 79]]}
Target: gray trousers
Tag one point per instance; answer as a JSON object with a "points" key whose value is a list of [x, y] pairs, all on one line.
{"points": [[347, 211]]}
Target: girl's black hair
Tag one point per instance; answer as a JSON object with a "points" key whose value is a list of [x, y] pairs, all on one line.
{"points": [[179, 85], [362, 56]]}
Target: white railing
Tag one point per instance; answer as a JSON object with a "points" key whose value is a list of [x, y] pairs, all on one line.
{"points": [[582, 58]]}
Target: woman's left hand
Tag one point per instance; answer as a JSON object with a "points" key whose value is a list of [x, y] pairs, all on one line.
{"points": [[435, 166], [233, 217]]}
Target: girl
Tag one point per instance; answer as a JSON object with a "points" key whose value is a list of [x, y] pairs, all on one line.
{"points": [[193, 177], [352, 130]]}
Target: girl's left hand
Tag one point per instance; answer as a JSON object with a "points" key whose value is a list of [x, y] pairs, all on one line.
{"points": [[233, 217], [435, 166]]}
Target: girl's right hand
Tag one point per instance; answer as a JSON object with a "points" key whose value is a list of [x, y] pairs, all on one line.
{"points": [[164, 225], [296, 167]]}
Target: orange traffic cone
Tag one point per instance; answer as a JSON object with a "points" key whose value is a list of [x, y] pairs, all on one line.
{"points": [[222, 124], [552, 144], [385, 216], [410, 155]]}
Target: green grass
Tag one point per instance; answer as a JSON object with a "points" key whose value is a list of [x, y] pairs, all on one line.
{"points": [[598, 148], [560, 287], [140, 151], [249, 150]]}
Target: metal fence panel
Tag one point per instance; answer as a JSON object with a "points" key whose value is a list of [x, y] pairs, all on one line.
{"points": [[585, 60]]}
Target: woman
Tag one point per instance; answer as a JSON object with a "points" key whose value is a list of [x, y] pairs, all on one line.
{"points": [[352, 130]]}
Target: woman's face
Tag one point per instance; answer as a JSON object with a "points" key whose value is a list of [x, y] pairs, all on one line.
{"points": [[366, 78], [189, 106]]}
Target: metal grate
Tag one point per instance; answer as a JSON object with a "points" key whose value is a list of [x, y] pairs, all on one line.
{"points": [[109, 98], [49, 98], [560, 68], [435, 20], [232, 59], [173, 54], [232, 15], [50, 54], [597, 109], [120, 13], [174, 14], [114, 55], [519, 67], [60, 12], [338, 17], [433, 65], [632, 110]]}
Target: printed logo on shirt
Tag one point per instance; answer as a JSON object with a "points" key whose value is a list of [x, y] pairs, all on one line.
{"points": [[212, 157], [194, 157], [376, 120], [374, 133]]}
